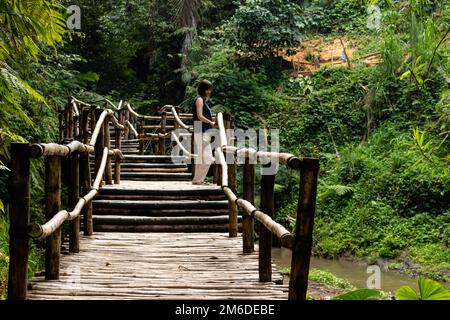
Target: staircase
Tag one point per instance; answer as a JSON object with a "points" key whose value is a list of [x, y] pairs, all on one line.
{"points": [[156, 195]]}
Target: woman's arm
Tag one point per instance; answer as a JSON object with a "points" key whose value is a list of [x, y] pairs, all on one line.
{"points": [[199, 108]]}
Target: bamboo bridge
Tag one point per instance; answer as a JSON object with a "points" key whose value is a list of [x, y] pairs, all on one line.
{"points": [[133, 225]]}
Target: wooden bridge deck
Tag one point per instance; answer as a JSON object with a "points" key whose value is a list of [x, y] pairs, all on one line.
{"points": [[159, 266]]}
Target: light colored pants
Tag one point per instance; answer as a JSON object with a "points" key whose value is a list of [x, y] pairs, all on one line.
{"points": [[202, 165]]}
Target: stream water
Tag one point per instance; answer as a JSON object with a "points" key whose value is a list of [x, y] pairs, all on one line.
{"points": [[353, 272]]}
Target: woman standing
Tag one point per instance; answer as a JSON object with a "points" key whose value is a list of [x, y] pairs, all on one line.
{"points": [[202, 112]]}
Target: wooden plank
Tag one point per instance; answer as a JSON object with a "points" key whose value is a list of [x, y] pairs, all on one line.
{"points": [[164, 266]]}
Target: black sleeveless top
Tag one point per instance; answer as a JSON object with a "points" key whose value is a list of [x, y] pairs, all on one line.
{"points": [[206, 113]]}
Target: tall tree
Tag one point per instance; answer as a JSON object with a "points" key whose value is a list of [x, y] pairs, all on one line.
{"points": [[187, 17]]}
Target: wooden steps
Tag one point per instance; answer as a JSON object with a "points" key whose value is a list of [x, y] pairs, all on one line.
{"points": [[160, 206], [156, 176], [151, 168], [153, 159]]}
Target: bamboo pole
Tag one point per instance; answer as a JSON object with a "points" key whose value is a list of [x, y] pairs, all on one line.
{"points": [[185, 151], [74, 195], [248, 234], [132, 129], [107, 144], [76, 117], [100, 143], [53, 225], [101, 115], [127, 121], [93, 118], [265, 235], [52, 207], [54, 149], [283, 158], [301, 253], [221, 125], [162, 141], [85, 171], [141, 131], [231, 168], [177, 120], [19, 214], [193, 161], [117, 160], [220, 159]]}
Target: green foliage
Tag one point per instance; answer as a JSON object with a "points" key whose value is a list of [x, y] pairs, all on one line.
{"points": [[428, 290], [325, 115], [433, 257], [24, 27], [329, 279], [236, 90], [360, 294], [429, 154], [263, 27], [341, 16]]}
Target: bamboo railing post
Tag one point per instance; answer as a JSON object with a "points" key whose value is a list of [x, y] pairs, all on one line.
{"points": [[265, 235], [192, 161], [301, 252], [93, 118], [118, 139], [19, 214], [249, 195], [86, 182], [76, 120], [99, 145], [141, 132], [218, 174], [74, 195], [52, 207], [117, 159], [231, 164], [161, 140], [127, 118], [107, 143]]}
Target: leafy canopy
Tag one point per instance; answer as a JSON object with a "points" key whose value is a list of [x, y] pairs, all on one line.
{"points": [[262, 27]]}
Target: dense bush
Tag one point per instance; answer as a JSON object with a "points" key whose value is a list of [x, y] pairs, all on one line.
{"points": [[263, 27]]}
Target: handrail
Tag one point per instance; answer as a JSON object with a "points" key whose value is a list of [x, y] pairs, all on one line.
{"points": [[99, 125], [223, 135], [75, 109], [80, 102], [111, 104], [189, 154], [134, 113], [301, 242], [128, 123], [178, 120], [268, 222], [38, 150], [42, 231]]}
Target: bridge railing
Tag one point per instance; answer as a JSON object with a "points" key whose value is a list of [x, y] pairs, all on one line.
{"points": [[76, 147], [300, 242]]}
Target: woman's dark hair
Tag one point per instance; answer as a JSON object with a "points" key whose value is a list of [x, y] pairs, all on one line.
{"points": [[203, 86]]}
